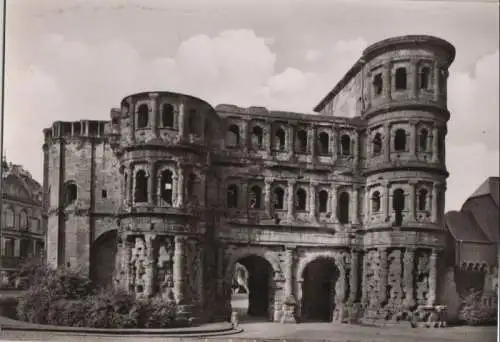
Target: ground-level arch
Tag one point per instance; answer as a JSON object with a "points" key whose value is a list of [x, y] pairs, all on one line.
{"points": [[102, 259]]}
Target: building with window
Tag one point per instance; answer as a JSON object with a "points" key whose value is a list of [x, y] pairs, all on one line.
{"points": [[334, 215], [23, 234]]}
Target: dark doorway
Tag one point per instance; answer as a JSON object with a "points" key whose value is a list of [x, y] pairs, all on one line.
{"points": [[318, 290], [102, 259], [259, 300]]}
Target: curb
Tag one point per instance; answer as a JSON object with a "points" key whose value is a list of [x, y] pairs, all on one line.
{"points": [[226, 329]]}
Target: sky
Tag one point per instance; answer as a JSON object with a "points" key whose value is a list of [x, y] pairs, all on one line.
{"points": [[76, 59]]}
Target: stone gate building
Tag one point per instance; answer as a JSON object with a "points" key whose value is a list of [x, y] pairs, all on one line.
{"points": [[328, 212]]}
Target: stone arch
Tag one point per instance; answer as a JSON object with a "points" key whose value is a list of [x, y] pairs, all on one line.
{"points": [[246, 252], [321, 284], [166, 178], [102, 259]]}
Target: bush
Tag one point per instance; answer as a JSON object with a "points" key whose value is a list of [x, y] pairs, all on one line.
{"points": [[61, 297]]}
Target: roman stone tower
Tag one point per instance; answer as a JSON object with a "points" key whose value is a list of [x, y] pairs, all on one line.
{"points": [[406, 116], [164, 142]]}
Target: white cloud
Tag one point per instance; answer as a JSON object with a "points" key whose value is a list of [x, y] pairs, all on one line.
{"points": [[70, 80]]}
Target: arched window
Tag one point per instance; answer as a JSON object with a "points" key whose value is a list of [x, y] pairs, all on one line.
{"points": [[141, 187], [167, 185], [422, 142], [398, 205], [377, 144], [302, 141], [377, 84], [324, 142], [425, 74], [422, 199], [192, 127], [400, 140], [323, 201], [376, 202], [23, 220], [343, 208], [167, 115], [232, 196], [142, 116], [278, 198], [9, 217], [300, 201], [233, 136], [280, 139], [400, 78], [345, 145], [255, 197], [70, 193], [191, 182], [257, 137]]}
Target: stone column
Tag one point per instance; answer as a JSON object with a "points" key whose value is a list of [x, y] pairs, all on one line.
{"points": [[312, 200], [435, 204], [353, 276], [437, 87], [268, 137], [267, 196], [382, 293], [387, 143], [386, 201], [128, 187], [148, 288], [182, 121], [313, 141], [289, 303], [154, 113], [354, 205], [151, 180], [127, 245], [290, 135], [180, 186], [414, 79], [179, 276], [175, 188], [431, 298], [333, 142], [412, 200], [367, 205], [413, 137], [355, 149], [408, 269], [290, 199], [244, 142], [435, 145], [333, 202], [386, 91]]}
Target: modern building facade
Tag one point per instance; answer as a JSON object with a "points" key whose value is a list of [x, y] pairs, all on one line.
{"points": [[23, 233], [332, 214]]}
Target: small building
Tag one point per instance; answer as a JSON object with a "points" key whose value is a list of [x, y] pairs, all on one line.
{"points": [[473, 247], [23, 235]]}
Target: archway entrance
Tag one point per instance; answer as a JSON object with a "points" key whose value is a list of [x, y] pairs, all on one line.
{"points": [[252, 293], [318, 290], [102, 259]]}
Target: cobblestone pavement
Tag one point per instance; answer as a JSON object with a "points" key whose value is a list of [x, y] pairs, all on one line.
{"points": [[291, 333]]}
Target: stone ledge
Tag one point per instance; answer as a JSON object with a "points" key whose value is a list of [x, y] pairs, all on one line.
{"points": [[212, 329]]}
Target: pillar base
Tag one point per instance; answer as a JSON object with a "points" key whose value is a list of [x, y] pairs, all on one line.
{"points": [[288, 310]]}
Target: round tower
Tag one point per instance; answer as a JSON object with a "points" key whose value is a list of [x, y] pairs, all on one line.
{"points": [[406, 115], [163, 141]]}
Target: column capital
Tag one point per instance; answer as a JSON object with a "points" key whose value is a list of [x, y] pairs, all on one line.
{"points": [[291, 182], [153, 95], [180, 239], [290, 248], [313, 183], [414, 122], [268, 180], [413, 182]]}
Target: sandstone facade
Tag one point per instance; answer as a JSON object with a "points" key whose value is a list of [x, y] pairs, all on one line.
{"points": [[334, 215]]}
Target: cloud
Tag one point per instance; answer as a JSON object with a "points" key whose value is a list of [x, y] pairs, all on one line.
{"points": [[71, 80]]}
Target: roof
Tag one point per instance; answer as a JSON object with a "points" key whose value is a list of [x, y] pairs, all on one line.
{"points": [[13, 173], [490, 187], [463, 227]]}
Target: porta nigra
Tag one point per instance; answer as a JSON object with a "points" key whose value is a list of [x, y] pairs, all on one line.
{"points": [[334, 215]]}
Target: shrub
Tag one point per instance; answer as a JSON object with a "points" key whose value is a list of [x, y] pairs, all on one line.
{"points": [[61, 297]]}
